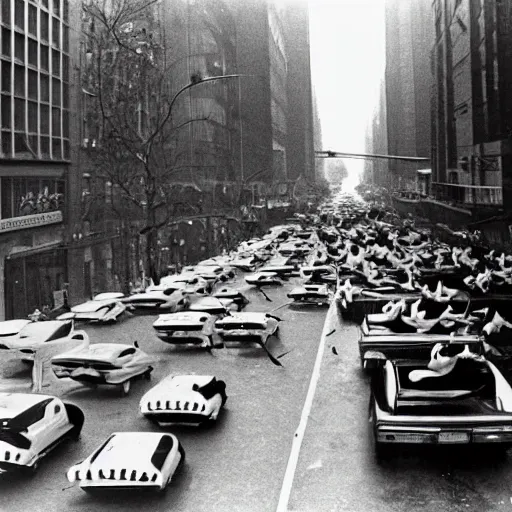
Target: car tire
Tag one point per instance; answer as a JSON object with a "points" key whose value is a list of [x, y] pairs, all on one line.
{"points": [[32, 470], [125, 387]]}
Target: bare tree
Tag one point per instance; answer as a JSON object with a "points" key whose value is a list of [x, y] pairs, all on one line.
{"points": [[134, 149]]}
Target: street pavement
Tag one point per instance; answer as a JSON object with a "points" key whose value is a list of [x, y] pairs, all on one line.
{"points": [[234, 465]]}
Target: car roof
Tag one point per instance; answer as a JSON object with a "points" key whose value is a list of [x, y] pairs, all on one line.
{"points": [[128, 449], [186, 382], [108, 296], [96, 351], [12, 404], [11, 327]]}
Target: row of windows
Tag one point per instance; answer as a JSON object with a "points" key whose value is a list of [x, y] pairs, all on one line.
{"points": [[29, 147], [38, 55], [33, 117], [58, 8], [37, 84]]}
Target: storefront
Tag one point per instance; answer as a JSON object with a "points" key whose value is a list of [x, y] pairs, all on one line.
{"points": [[31, 280]]}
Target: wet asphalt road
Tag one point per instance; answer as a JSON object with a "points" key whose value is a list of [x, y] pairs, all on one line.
{"points": [[234, 465]]}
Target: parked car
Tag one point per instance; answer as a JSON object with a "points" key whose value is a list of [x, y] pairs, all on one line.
{"points": [[315, 294], [186, 327], [238, 298], [263, 279], [171, 298], [36, 334], [470, 404], [104, 363], [104, 307], [212, 305], [189, 399], [31, 426], [130, 460], [245, 328]]}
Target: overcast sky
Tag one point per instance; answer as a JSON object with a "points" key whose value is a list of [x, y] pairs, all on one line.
{"points": [[347, 60]]}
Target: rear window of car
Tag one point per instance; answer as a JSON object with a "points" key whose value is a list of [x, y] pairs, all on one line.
{"points": [[30, 416], [162, 451]]}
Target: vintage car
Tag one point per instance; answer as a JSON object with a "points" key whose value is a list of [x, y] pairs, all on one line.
{"points": [[31, 426], [104, 363], [313, 294], [186, 327], [36, 334], [212, 305], [263, 279], [171, 298], [130, 460], [282, 266], [243, 329], [320, 274], [238, 298], [219, 262], [188, 399], [211, 273], [191, 283], [104, 307], [471, 402], [10, 328], [294, 248]]}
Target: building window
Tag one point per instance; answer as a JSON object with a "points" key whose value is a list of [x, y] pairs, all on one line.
{"points": [[56, 92], [32, 84], [19, 80], [6, 42], [6, 76], [32, 19], [19, 47], [44, 26], [6, 111], [56, 62], [32, 52], [55, 32], [6, 11], [44, 87], [56, 7], [45, 58], [19, 114], [19, 13]]}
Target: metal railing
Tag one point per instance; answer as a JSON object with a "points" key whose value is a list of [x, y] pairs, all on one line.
{"points": [[468, 194]]}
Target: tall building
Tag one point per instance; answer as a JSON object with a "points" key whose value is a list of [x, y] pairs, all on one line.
{"points": [[409, 37], [35, 154], [472, 118], [300, 120]]}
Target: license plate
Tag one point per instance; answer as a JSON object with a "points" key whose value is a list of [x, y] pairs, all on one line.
{"points": [[453, 437]]}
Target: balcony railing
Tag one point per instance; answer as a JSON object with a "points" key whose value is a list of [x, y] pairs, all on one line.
{"points": [[468, 194], [30, 221]]}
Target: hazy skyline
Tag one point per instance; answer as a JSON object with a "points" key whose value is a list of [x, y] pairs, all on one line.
{"points": [[347, 64]]}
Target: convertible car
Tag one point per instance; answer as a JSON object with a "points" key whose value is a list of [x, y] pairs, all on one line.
{"points": [[130, 460], [312, 294], [469, 402], [186, 327], [104, 363], [241, 329], [36, 334], [31, 426], [189, 399], [104, 307]]}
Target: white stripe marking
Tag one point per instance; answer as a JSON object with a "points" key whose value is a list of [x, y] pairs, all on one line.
{"points": [[298, 437]]}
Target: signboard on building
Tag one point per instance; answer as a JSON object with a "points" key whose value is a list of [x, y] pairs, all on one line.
{"points": [[30, 221]]}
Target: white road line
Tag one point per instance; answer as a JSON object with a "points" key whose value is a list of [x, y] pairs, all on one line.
{"points": [[298, 437]]}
